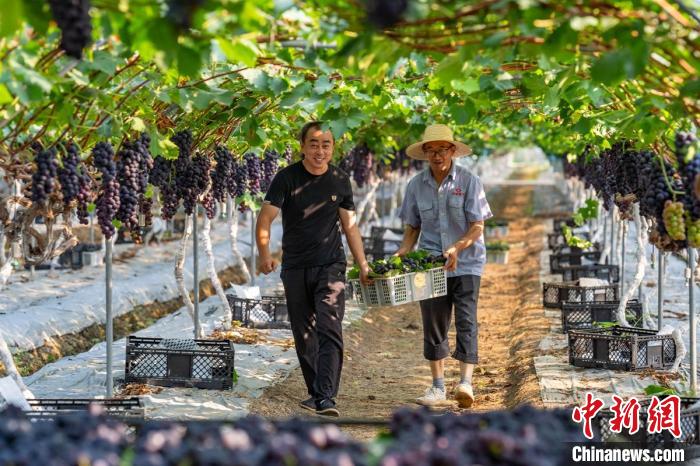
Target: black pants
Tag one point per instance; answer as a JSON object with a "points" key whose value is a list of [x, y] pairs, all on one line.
{"points": [[316, 305], [463, 294]]}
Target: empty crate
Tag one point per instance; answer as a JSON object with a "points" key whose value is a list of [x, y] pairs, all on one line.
{"points": [[266, 312], [180, 362], [583, 315], [555, 294], [558, 261], [621, 348]]}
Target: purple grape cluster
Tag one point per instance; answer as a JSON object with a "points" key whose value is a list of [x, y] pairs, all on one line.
{"points": [[209, 204], [129, 177], [288, 154], [223, 181], [80, 438], [523, 436], [44, 178], [161, 177], [108, 198], [362, 164], [68, 174], [85, 195], [73, 18], [254, 173], [385, 13], [199, 179], [183, 140], [346, 163], [270, 165], [240, 175]]}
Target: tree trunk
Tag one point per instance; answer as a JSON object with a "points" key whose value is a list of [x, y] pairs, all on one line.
{"points": [[232, 214], [10, 367], [180, 266], [211, 269], [642, 236]]}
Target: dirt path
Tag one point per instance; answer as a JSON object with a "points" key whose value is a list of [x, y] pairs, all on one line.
{"points": [[384, 366]]}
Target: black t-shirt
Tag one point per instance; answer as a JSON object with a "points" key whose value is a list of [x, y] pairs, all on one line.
{"points": [[310, 219]]}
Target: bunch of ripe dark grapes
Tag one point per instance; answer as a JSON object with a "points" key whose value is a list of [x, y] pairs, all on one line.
{"points": [[346, 163], [44, 178], [240, 176], [199, 176], [181, 12], [385, 13], [223, 181], [209, 204], [73, 18], [128, 175], [688, 157], [270, 164], [143, 145], [108, 198], [362, 164], [254, 173], [523, 436], [161, 177], [288, 154], [76, 183]]}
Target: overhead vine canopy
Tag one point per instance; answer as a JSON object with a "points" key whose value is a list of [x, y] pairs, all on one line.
{"points": [[562, 74]]}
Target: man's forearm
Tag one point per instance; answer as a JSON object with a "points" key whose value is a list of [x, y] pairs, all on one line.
{"points": [[355, 244], [262, 237], [470, 237], [410, 238]]}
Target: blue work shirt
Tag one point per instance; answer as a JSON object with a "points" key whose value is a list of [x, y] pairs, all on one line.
{"points": [[444, 214]]}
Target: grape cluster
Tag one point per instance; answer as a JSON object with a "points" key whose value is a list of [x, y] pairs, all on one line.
{"points": [[199, 178], [183, 140], [385, 13], [346, 164], [85, 195], [128, 175], [223, 181], [81, 438], [253, 172], [523, 436], [44, 178], [181, 12], [161, 172], [68, 174], [240, 175], [209, 204], [108, 198], [288, 155], [73, 18], [362, 164], [270, 164], [674, 220], [161, 177], [683, 141]]}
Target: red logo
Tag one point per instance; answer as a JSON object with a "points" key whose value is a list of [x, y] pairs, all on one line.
{"points": [[665, 415], [458, 191], [586, 414], [626, 414]]}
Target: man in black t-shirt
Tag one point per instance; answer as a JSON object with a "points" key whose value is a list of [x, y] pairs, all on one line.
{"points": [[316, 200]]}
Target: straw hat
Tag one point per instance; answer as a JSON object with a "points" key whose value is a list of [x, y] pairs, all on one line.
{"points": [[437, 133]]}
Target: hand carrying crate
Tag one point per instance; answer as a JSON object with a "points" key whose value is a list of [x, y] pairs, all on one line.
{"points": [[401, 289]]}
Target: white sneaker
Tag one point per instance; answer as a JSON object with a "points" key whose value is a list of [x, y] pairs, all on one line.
{"points": [[433, 396], [464, 394]]}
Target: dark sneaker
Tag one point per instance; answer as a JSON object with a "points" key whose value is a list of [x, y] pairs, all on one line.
{"points": [[327, 408], [309, 404]]}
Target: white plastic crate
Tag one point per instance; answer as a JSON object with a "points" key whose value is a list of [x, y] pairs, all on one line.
{"points": [[401, 289], [497, 257]]}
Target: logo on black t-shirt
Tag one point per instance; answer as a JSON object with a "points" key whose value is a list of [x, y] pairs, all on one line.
{"points": [[334, 197]]}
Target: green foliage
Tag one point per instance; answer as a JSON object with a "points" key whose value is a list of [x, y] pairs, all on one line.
{"points": [[497, 246], [659, 390], [573, 240]]}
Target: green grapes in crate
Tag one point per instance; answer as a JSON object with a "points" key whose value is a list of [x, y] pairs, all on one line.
{"points": [[415, 261]]}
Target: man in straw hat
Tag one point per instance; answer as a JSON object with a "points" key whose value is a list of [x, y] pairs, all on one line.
{"points": [[446, 205]]}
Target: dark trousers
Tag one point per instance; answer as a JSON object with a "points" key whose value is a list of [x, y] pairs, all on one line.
{"points": [[316, 305], [463, 294]]}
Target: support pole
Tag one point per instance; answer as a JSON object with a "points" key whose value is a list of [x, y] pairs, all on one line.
{"points": [[195, 273], [605, 235], [622, 265], [383, 209], [691, 316], [252, 248], [612, 235], [108, 317], [660, 287]]}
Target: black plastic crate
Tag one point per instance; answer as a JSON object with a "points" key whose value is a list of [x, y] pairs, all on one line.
{"points": [[555, 240], [566, 249], [127, 410], [73, 258], [582, 315], [610, 273], [558, 261], [377, 231], [689, 426], [267, 312], [555, 294], [621, 348], [180, 362]]}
